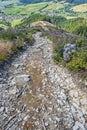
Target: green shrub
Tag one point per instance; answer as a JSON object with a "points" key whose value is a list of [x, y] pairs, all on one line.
{"points": [[59, 53], [77, 26], [79, 61], [58, 57], [81, 29], [2, 58], [7, 36], [80, 41], [17, 38]]}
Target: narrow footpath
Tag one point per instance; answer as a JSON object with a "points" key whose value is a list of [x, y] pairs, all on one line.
{"points": [[37, 94]]}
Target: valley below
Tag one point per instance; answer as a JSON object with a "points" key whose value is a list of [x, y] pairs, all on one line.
{"points": [[37, 94], [14, 13]]}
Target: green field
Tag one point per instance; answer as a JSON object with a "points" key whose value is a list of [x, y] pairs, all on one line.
{"points": [[27, 9], [9, 3], [3, 26], [15, 22], [51, 8], [35, 8], [80, 8]]}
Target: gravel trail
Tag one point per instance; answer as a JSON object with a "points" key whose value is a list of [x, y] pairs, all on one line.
{"points": [[37, 94]]}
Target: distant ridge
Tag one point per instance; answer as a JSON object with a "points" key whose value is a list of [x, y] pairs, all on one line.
{"points": [[37, 1], [70, 1]]}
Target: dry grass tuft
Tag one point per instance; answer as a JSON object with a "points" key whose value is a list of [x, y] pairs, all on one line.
{"points": [[5, 47]]}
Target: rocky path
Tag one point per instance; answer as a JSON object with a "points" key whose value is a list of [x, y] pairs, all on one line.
{"points": [[36, 94]]}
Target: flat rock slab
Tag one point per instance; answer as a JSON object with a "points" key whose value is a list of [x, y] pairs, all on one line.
{"points": [[21, 80]]}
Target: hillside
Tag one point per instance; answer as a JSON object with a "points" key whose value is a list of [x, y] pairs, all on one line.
{"points": [[77, 1], [70, 1], [8, 3], [43, 65], [49, 8], [35, 8], [36, 91], [12, 2], [75, 25], [14, 11]]}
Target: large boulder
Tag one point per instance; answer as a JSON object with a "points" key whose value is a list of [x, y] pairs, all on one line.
{"points": [[69, 49]]}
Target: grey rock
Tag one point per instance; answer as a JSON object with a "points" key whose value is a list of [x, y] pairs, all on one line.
{"points": [[0, 74], [46, 123], [2, 109], [1, 79], [24, 77], [78, 125], [85, 82], [69, 49]]}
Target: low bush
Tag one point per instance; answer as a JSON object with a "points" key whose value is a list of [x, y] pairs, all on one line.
{"points": [[80, 41], [7, 35], [11, 41], [5, 50], [2, 58], [5, 47], [58, 53], [79, 61]]}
